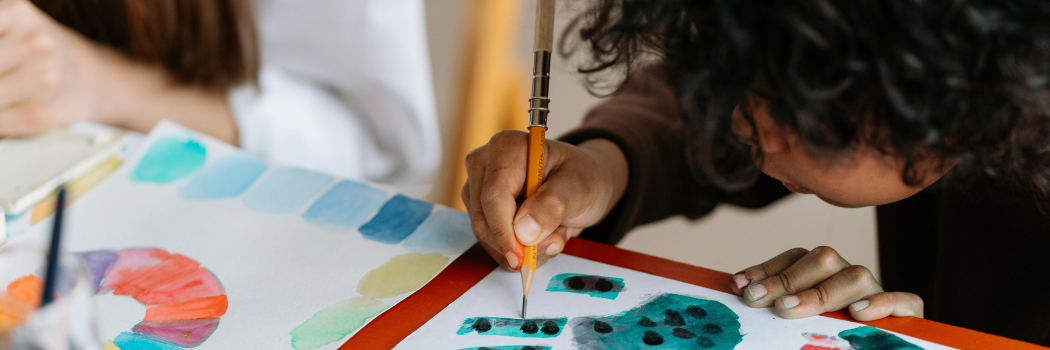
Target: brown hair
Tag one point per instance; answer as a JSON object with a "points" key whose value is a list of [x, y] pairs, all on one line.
{"points": [[209, 43]]}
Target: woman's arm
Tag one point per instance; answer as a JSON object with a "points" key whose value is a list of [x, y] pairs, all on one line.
{"points": [[52, 76]]}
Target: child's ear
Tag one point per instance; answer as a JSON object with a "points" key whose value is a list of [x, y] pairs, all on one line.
{"points": [[772, 138]]}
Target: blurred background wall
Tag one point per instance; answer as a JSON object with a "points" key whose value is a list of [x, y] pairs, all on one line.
{"points": [[481, 57]]}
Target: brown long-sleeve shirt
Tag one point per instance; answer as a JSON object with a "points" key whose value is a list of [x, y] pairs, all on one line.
{"points": [[978, 256]]}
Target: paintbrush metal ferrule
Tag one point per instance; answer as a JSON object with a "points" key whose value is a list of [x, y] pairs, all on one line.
{"points": [[539, 103]]}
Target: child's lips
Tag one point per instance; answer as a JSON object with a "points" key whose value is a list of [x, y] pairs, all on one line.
{"points": [[796, 188]]}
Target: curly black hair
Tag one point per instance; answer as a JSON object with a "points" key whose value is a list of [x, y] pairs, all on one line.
{"points": [[919, 79]]}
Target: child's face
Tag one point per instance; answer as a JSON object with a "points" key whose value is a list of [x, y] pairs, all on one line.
{"points": [[864, 177]]}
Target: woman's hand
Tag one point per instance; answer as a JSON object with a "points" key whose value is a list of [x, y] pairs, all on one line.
{"points": [[45, 72], [581, 185], [801, 283]]}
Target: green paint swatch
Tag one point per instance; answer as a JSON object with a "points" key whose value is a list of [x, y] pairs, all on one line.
{"points": [[595, 286], [169, 159], [667, 321], [871, 338], [336, 322], [514, 327]]}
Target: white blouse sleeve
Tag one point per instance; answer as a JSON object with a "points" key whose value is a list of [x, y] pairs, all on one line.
{"points": [[345, 88]]}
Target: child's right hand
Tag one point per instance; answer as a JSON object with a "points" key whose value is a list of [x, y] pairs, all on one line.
{"points": [[581, 185], [802, 283]]}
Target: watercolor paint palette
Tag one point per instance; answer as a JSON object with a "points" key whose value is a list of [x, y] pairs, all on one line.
{"points": [[261, 256], [647, 312]]}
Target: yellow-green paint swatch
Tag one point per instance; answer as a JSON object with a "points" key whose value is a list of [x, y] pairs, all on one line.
{"points": [[404, 273], [336, 322]]}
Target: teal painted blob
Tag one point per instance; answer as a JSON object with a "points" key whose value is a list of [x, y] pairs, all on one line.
{"points": [[139, 341], [595, 286], [335, 322], [447, 231], [285, 190], [169, 159], [871, 338], [228, 177], [667, 321], [348, 204], [514, 327], [512, 347]]}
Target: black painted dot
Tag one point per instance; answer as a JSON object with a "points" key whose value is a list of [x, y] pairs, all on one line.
{"points": [[482, 325], [602, 327], [652, 338], [603, 285], [529, 327], [646, 322], [695, 311], [528, 347], [705, 342], [550, 327], [673, 318], [683, 333], [712, 328], [576, 283]]}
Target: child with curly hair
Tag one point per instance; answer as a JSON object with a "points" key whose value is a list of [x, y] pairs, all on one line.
{"points": [[936, 112]]}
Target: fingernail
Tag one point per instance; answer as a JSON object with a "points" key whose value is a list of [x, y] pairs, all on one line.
{"points": [[527, 230], [512, 260], [860, 305], [756, 291], [740, 280], [790, 301], [553, 249]]}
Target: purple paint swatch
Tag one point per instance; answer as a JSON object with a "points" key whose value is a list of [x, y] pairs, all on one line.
{"points": [[98, 264], [184, 333], [397, 219]]}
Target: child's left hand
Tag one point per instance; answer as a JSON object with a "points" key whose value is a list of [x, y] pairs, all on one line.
{"points": [[801, 283]]}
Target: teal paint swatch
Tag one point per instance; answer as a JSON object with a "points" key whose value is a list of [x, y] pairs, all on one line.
{"points": [[227, 177], [667, 321], [348, 204], [512, 347], [285, 190], [138, 341], [514, 327], [871, 338], [335, 322], [169, 159], [595, 286], [397, 219], [447, 231]]}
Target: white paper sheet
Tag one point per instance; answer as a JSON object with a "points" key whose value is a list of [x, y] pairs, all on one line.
{"points": [[277, 270], [497, 295]]}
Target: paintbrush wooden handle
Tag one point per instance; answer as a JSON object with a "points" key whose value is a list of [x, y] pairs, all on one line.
{"points": [[544, 40]]}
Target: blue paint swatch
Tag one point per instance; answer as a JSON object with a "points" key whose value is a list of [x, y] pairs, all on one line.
{"points": [[595, 286], [514, 327], [670, 321], [512, 347], [871, 338], [447, 231], [169, 159], [139, 341], [348, 204], [285, 190], [397, 219], [226, 178]]}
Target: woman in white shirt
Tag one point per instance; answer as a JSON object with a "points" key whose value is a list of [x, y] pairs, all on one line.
{"points": [[340, 86]]}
